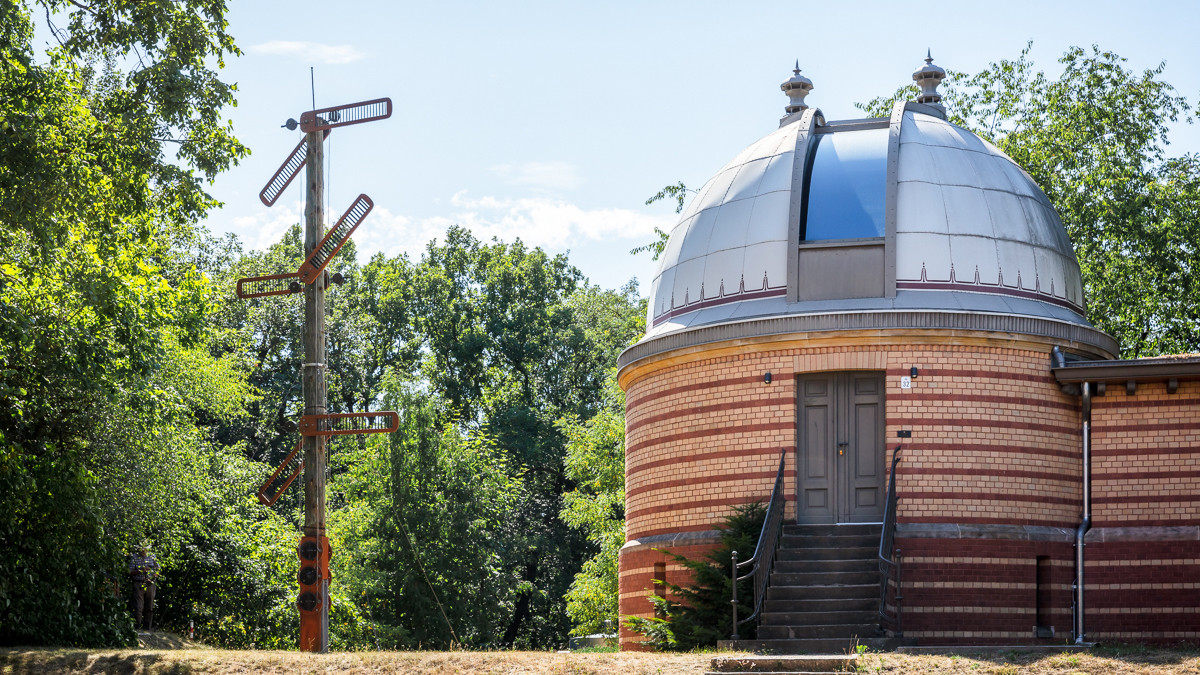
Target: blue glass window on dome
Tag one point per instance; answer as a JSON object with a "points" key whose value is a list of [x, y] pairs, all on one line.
{"points": [[847, 181]]}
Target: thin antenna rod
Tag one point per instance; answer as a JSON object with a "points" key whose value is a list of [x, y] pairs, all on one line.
{"points": [[313, 80]]}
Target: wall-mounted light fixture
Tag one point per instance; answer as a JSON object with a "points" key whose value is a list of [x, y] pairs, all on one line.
{"points": [[912, 372], [767, 377]]}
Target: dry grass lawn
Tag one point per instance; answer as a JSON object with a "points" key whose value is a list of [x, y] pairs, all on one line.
{"points": [[221, 662]]}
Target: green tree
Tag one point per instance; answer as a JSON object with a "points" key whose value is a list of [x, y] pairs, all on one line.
{"points": [[508, 347], [1094, 139], [678, 193], [94, 304], [595, 462], [419, 536]]}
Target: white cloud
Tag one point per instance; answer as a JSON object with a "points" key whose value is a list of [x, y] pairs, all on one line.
{"points": [[260, 231], [311, 52], [552, 224], [549, 175]]}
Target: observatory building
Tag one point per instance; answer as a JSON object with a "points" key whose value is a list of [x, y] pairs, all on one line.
{"points": [[849, 304]]}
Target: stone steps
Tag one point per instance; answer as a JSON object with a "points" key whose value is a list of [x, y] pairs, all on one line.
{"points": [[823, 598]]}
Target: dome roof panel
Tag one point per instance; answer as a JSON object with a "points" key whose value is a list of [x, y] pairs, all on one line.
{"points": [[714, 193], [952, 166], [916, 165], [1008, 218], [1021, 183], [1016, 260], [1060, 233], [695, 240], [988, 173], [1049, 271], [967, 211], [729, 230], [1042, 225], [778, 175], [745, 184], [766, 268], [670, 254], [964, 139], [923, 256], [723, 272], [927, 130], [693, 206], [769, 219], [920, 208], [763, 147], [689, 274], [1074, 282], [660, 296], [974, 259]]}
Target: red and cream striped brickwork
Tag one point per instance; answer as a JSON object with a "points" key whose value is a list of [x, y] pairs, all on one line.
{"points": [[637, 585], [1146, 457], [985, 591], [1143, 562], [993, 438]]}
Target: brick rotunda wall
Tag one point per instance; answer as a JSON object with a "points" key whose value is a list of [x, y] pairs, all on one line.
{"points": [[1143, 555], [990, 479]]}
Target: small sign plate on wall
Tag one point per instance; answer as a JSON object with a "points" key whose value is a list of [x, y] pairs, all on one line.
{"points": [[906, 382]]}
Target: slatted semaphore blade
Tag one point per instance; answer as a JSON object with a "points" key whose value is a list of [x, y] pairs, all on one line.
{"points": [[340, 424], [345, 115], [334, 239], [273, 284], [286, 173], [279, 481]]}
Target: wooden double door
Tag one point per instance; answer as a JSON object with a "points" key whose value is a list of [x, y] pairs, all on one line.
{"points": [[840, 459]]}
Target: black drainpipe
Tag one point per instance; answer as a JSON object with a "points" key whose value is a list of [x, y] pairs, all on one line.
{"points": [[1086, 524]]}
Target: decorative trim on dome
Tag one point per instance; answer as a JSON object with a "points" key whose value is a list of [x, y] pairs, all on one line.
{"points": [[766, 291], [924, 283]]}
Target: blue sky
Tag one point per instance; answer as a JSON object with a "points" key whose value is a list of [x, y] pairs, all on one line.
{"points": [[554, 121]]}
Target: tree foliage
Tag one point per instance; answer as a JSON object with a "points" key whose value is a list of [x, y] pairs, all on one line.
{"points": [[1095, 140], [595, 462], [678, 193], [95, 309], [418, 537]]}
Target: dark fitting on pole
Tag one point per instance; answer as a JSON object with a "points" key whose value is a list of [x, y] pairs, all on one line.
{"points": [[290, 125]]}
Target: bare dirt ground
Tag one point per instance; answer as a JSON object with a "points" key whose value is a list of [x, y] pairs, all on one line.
{"points": [[30, 661]]}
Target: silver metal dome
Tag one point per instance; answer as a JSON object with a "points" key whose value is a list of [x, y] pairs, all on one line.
{"points": [[892, 214]]}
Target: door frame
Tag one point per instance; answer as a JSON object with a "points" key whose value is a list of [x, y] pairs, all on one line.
{"points": [[835, 431]]}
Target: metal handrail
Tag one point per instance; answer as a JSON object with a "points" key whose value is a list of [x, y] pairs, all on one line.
{"points": [[764, 553], [889, 568]]}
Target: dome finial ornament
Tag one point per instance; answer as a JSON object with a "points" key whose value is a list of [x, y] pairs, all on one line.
{"points": [[928, 78], [796, 87]]}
